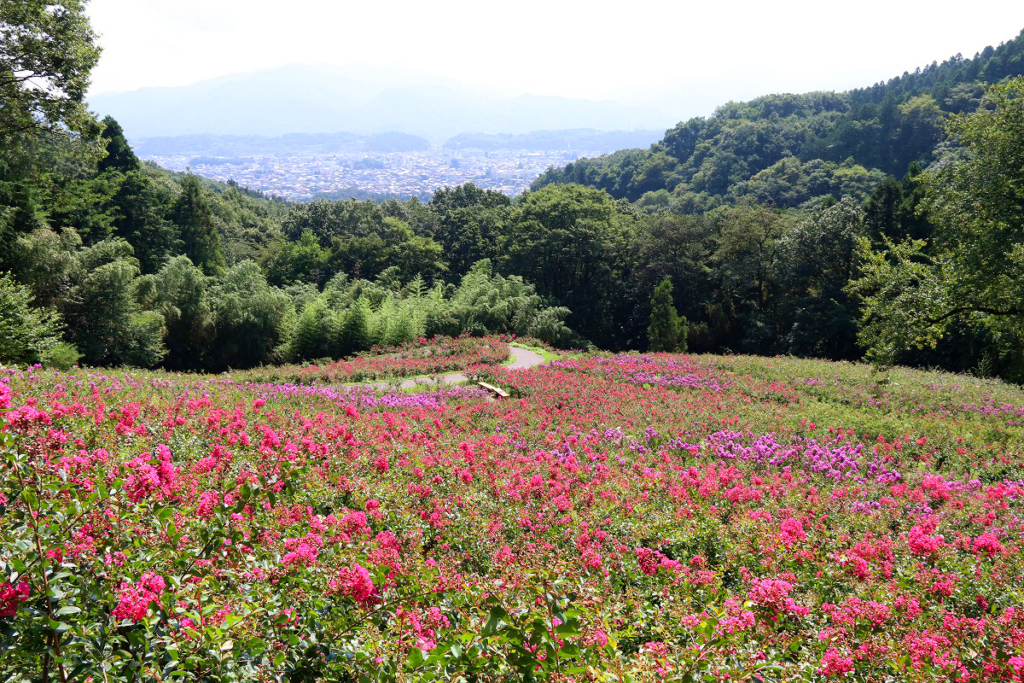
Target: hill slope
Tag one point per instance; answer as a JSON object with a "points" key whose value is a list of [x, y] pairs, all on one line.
{"points": [[792, 150]]}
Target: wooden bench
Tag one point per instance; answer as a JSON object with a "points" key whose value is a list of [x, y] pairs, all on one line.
{"points": [[490, 387]]}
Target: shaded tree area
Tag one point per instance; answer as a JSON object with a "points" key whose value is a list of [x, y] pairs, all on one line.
{"points": [[954, 295]]}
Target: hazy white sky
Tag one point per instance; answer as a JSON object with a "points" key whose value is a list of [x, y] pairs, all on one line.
{"points": [[588, 49]]}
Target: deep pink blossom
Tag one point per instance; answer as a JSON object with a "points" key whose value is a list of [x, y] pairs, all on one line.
{"points": [[11, 596], [134, 599], [354, 582]]}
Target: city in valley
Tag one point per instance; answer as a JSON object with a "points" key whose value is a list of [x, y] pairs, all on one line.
{"points": [[397, 174]]}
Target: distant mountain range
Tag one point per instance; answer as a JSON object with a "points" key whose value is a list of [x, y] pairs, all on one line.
{"points": [[215, 146], [365, 100]]}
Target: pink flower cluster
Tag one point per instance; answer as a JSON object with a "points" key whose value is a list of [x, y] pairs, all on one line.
{"points": [[792, 531], [134, 599], [388, 551], [423, 627], [922, 542], [855, 609], [835, 664], [504, 556], [354, 582], [302, 551], [146, 478], [11, 596], [736, 618], [988, 544], [651, 560], [772, 595]]}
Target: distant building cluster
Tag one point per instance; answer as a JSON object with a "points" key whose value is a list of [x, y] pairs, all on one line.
{"points": [[403, 174]]}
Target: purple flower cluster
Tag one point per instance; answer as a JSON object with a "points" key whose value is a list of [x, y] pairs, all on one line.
{"points": [[837, 460]]}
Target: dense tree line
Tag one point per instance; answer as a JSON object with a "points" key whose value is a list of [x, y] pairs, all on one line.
{"points": [[189, 274]]}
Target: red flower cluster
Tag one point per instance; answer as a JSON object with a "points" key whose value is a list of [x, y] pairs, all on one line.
{"points": [[11, 596]]}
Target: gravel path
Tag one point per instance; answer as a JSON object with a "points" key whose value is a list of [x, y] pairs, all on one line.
{"points": [[524, 358]]}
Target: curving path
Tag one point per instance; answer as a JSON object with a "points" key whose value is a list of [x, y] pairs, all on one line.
{"points": [[524, 358], [521, 359]]}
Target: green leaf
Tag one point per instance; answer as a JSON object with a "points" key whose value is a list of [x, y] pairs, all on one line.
{"points": [[494, 618], [416, 658], [569, 628]]}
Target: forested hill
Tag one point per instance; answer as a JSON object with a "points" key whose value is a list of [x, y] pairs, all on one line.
{"points": [[794, 150]]}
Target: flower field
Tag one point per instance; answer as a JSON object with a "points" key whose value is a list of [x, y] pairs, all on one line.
{"points": [[620, 518], [421, 357]]}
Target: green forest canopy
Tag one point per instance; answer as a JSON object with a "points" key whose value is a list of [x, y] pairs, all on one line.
{"points": [[792, 150]]}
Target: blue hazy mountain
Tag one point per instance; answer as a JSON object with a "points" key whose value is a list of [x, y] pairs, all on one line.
{"points": [[360, 99]]}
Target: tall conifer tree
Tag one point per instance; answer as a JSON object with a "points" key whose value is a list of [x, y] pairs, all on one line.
{"points": [[667, 330], [199, 238]]}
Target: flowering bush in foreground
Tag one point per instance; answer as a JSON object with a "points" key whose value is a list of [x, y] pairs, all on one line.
{"points": [[625, 518], [420, 357]]}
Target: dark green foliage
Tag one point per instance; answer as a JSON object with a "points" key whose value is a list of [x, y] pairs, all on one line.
{"points": [[94, 290], [470, 224], [740, 306], [354, 330], [679, 247], [790, 150], [363, 239], [139, 219], [488, 303], [251, 319], [48, 264], [62, 356], [27, 333], [814, 261], [969, 274], [569, 241], [179, 292], [892, 212], [302, 260], [104, 319], [199, 239], [47, 51], [119, 154], [666, 331]]}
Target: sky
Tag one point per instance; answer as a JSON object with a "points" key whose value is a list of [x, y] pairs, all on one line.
{"points": [[631, 51]]}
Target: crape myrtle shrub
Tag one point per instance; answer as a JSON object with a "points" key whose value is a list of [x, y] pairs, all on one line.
{"points": [[620, 518], [418, 357]]}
